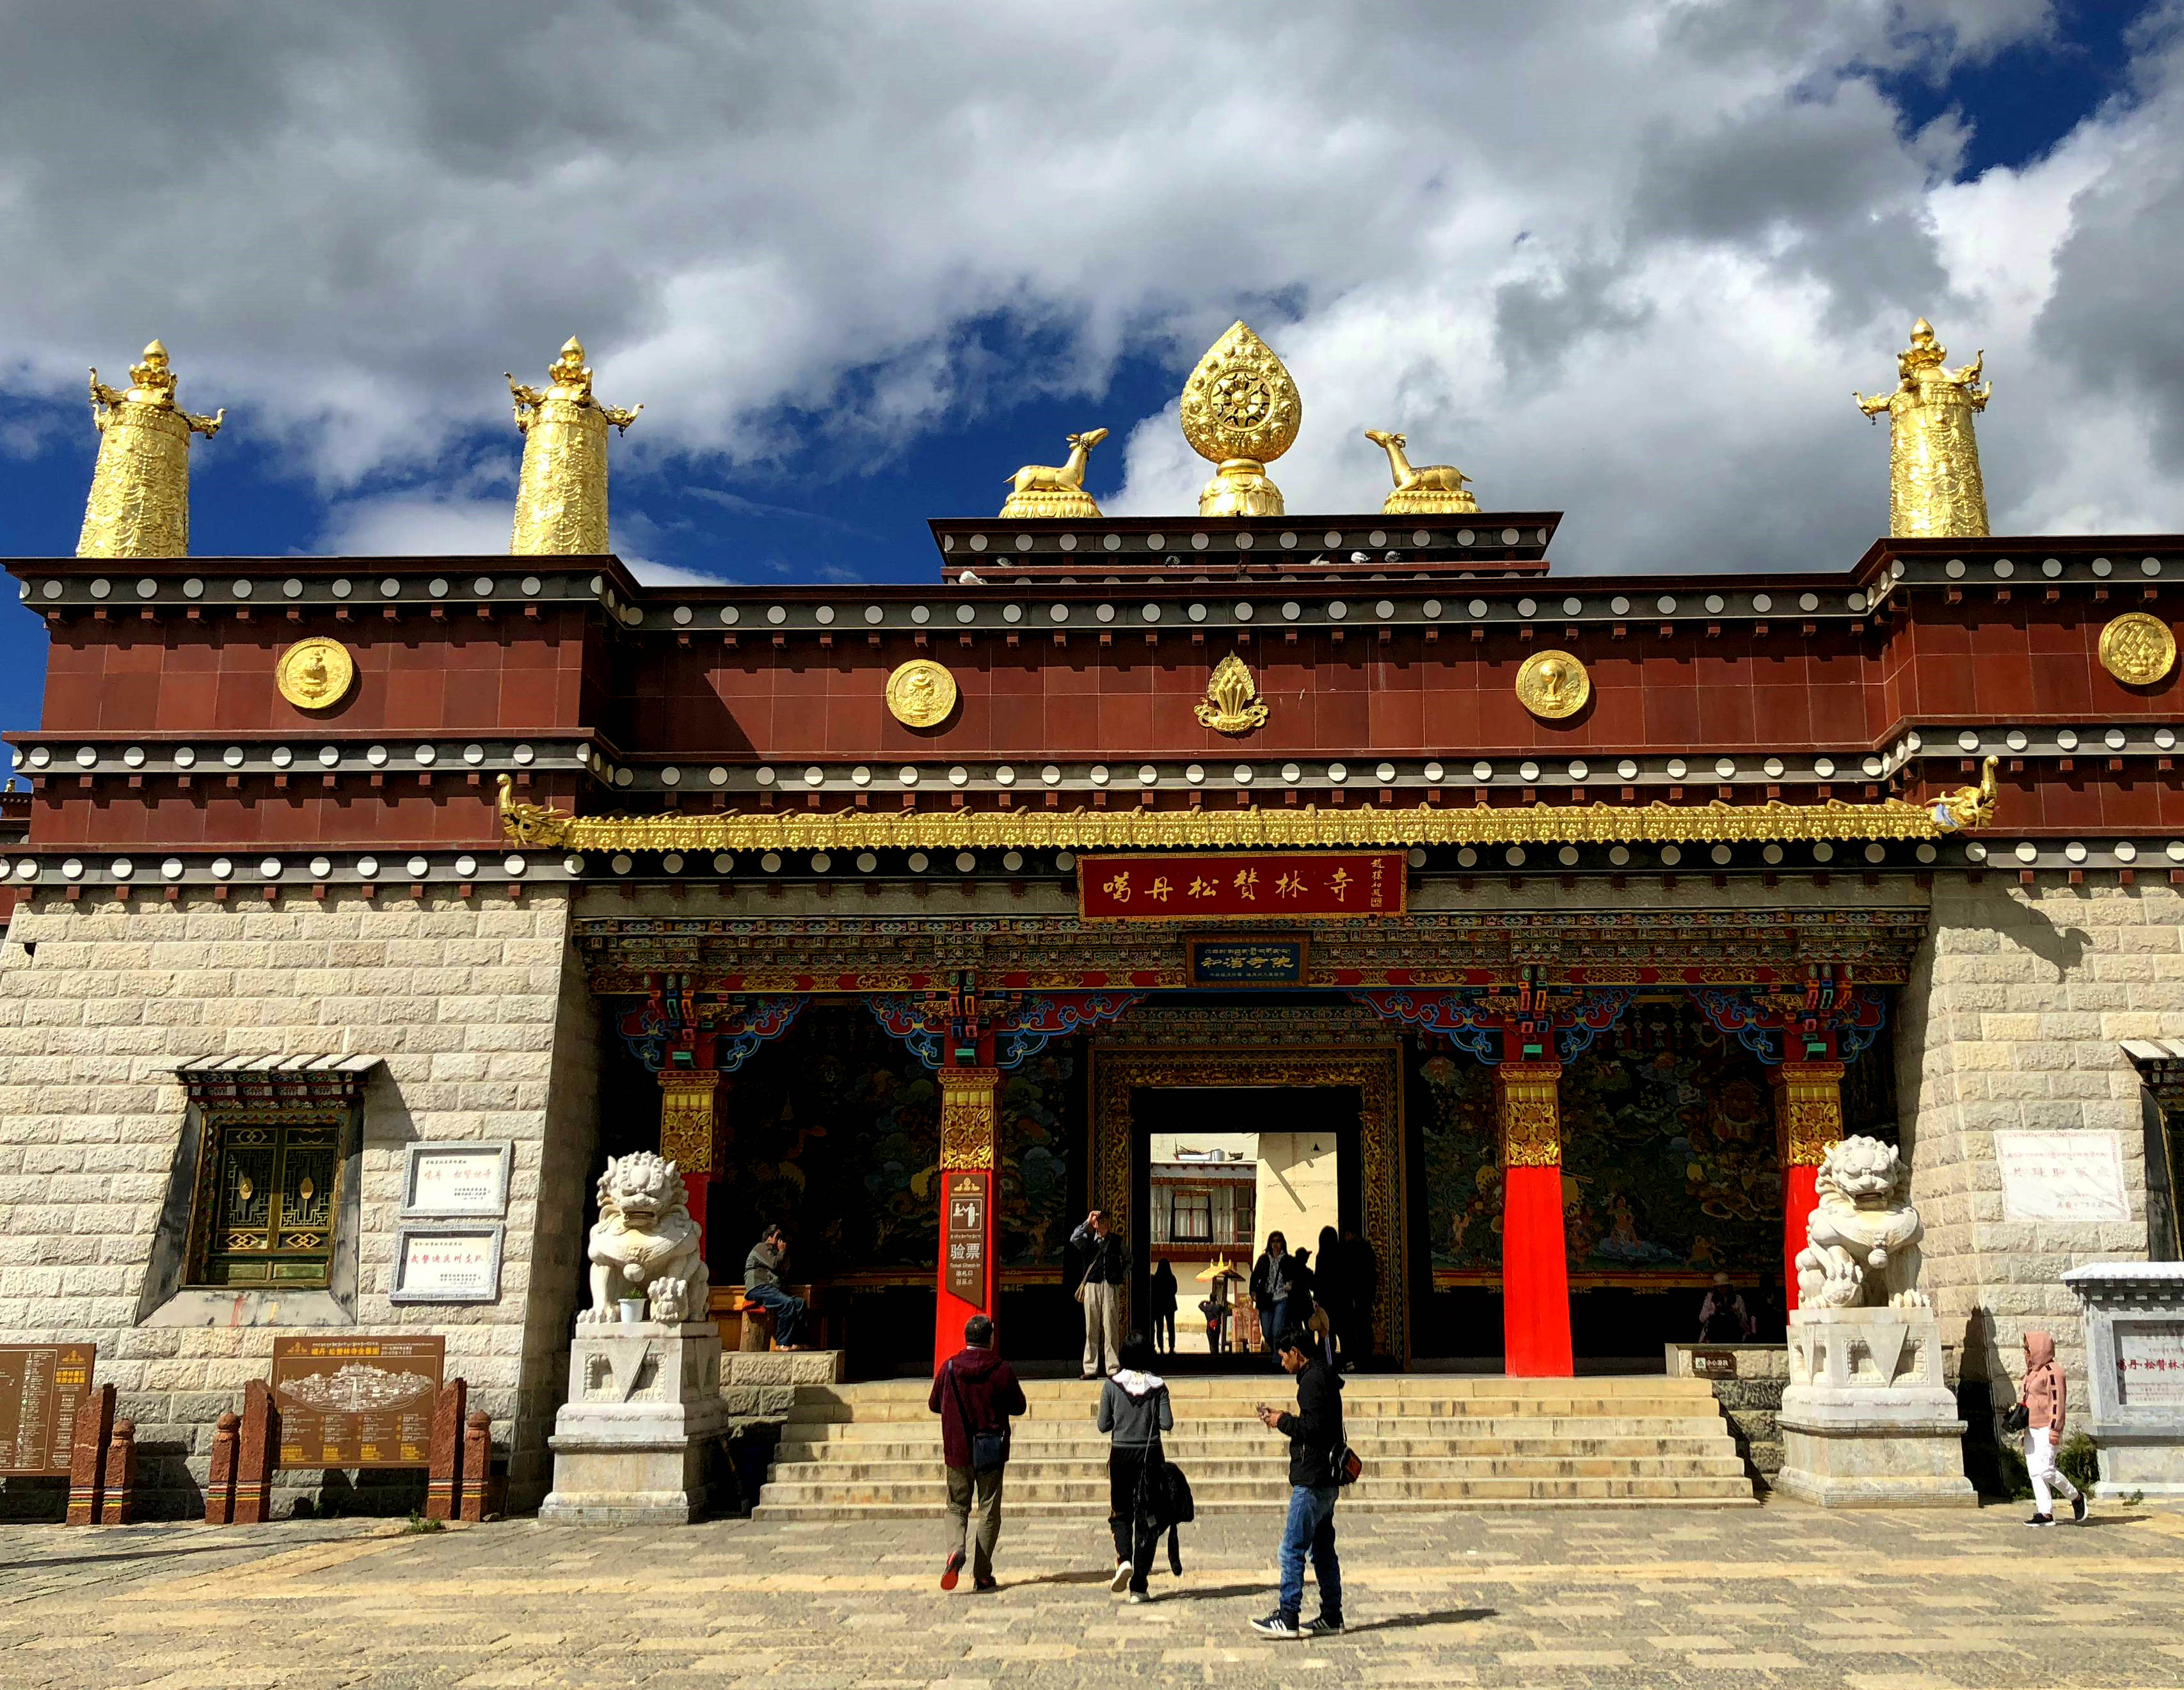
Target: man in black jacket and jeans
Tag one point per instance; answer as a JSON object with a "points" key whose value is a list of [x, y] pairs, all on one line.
{"points": [[1315, 1433]]}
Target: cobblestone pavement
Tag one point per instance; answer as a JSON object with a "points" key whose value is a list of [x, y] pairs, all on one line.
{"points": [[1783, 1596]]}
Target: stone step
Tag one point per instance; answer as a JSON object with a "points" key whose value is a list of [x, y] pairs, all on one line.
{"points": [[1273, 1468], [1248, 1387], [815, 1407], [1185, 1450], [1358, 1426], [780, 1500]]}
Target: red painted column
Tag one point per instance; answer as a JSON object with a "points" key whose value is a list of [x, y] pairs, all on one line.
{"points": [[694, 1136], [1807, 1119], [1536, 1322], [970, 1099]]}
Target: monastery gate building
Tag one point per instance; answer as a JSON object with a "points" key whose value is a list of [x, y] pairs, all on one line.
{"points": [[1578, 913]]}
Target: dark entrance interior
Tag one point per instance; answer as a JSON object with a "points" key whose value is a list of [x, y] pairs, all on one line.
{"points": [[1326, 1116]]}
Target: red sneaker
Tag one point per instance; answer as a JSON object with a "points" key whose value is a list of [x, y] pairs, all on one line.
{"points": [[952, 1571]]}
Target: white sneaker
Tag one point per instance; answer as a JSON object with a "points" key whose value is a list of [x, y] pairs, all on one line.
{"points": [[1121, 1581], [1138, 1598]]}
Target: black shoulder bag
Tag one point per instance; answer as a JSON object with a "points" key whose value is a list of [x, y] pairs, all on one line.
{"points": [[989, 1449]]}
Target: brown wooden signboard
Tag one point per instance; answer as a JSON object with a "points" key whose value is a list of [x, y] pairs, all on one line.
{"points": [[966, 1236], [40, 1386], [354, 1401]]}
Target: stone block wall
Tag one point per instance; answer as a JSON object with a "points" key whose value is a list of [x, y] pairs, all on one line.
{"points": [[477, 1007], [2019, 1000]]}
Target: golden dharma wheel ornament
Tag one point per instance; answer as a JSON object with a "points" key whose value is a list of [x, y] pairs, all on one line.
{"points": [[1552, 684], [920, 694], [315, 673], [1240, 411], [2138, 650]]}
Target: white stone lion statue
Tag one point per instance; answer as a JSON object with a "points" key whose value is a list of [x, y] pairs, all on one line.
{"points": [[1862, 1242], [645, 1243]]}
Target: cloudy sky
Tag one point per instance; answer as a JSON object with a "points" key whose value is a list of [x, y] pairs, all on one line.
{"points": [[1623, 260]]}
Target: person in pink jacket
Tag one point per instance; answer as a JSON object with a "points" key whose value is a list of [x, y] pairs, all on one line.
{"points": [[2046, 1397]]}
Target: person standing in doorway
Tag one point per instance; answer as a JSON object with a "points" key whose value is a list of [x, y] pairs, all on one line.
{"points": [[974, 1393], [766, 1275], [1315, 1433], [1099, 1289], [1162, 1292], [1134, 1410], [1723, 1317], [2046, 1397], [1361, 1275], [1270, 1288], [1330, 1290]]}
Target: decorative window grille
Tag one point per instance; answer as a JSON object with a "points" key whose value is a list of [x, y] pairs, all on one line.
{"points": [[275, 1134]]}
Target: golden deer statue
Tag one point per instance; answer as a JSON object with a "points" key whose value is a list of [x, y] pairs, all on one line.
{"points": [[1436, 490], [1055, 490]]}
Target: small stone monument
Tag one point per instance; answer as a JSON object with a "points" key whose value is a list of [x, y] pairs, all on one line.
{"points": [[2135, 1373], [640, 1439], [1867, 1421]]}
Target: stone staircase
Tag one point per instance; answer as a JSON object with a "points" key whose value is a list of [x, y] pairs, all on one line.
{"points": [[1429, 1442]]}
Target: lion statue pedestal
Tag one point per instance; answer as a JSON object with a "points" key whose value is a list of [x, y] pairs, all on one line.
{"points": [[1867, 1421], [641, 1438]]}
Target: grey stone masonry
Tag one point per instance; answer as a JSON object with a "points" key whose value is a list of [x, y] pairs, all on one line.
{"points": [[2018, 1003], [476, 1007]]}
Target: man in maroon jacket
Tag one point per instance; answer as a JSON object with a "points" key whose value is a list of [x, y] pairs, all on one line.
{"points": [[974, 1393]]}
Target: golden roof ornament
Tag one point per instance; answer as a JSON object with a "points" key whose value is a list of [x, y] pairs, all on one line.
{"points": [[1552, 684], [1240, 411], [1232, 704], [1436, 490], [2138, 650], [1935, 489], [139, 504], [1055, 490], [920, 694], [561, 497]]}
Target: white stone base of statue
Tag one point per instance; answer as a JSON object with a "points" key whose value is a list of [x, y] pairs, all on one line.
{"points": [[1867, 1420], [639, 1441]]}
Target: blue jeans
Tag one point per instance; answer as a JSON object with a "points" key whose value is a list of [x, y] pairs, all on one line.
{"points": [[1311, 1526], [788, 1311], [1277, 1322]]}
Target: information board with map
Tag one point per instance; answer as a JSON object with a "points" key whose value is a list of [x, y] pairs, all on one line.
{"points": [[351, 1402], [40, 1386]]}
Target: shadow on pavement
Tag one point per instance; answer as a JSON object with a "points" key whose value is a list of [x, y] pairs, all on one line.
{"points": [[1404, 1622]]}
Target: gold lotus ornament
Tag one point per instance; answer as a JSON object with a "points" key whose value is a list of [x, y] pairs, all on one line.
{"points": [[1240, 411], [1232, 704], [315, 673], [2138, 650], [920, 694], [1552, 684]]}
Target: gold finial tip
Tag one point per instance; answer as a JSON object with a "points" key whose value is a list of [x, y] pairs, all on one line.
{"points": [[1922, 327], [572, 348], [155, 350]]}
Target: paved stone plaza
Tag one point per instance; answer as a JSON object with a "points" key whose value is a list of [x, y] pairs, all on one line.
{"points": [[1785, 1595]]}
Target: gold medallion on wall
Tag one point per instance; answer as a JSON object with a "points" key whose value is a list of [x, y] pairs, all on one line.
{"points": [[315, 673], [2138, 650], [1552, 684], [920, 694]]}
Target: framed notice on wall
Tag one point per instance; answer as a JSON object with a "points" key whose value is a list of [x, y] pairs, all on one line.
{"points": [[455, 1179], [2061, 1176], [40, 1386], [447, 1264], [352, 1402]]}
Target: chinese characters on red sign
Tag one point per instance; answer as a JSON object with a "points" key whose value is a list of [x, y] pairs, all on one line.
{"points": [[1179, 887]]}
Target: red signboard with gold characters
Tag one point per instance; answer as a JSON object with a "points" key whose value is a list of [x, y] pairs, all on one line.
{"points": [[1237, 886]]}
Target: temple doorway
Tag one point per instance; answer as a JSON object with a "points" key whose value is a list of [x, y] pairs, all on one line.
{"points": [[1215, 1173]]}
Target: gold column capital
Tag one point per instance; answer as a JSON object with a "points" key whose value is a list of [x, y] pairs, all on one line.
{"points": [[694, 1132], [1528, 1099], [970, 1116], [1808, 1110]]}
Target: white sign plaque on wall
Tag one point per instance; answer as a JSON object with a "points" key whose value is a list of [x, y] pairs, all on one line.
{"points": [[446, 1264], [455, 1179], [2149, 1361], [2062, 1176]]}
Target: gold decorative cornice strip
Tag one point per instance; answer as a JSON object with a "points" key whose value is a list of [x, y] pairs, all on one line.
{"points": [[1891, 819]]}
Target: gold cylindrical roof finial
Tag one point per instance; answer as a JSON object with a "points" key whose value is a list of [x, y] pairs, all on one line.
{"points": [[561, 497], [139, 504], [1935, 487]]}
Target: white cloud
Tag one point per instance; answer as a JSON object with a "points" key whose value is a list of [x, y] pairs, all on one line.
{"points": [[1624, 260]]}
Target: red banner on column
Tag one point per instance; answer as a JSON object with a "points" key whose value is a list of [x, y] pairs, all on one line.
{"points": [[1535, 1314], [1240, 886]]}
